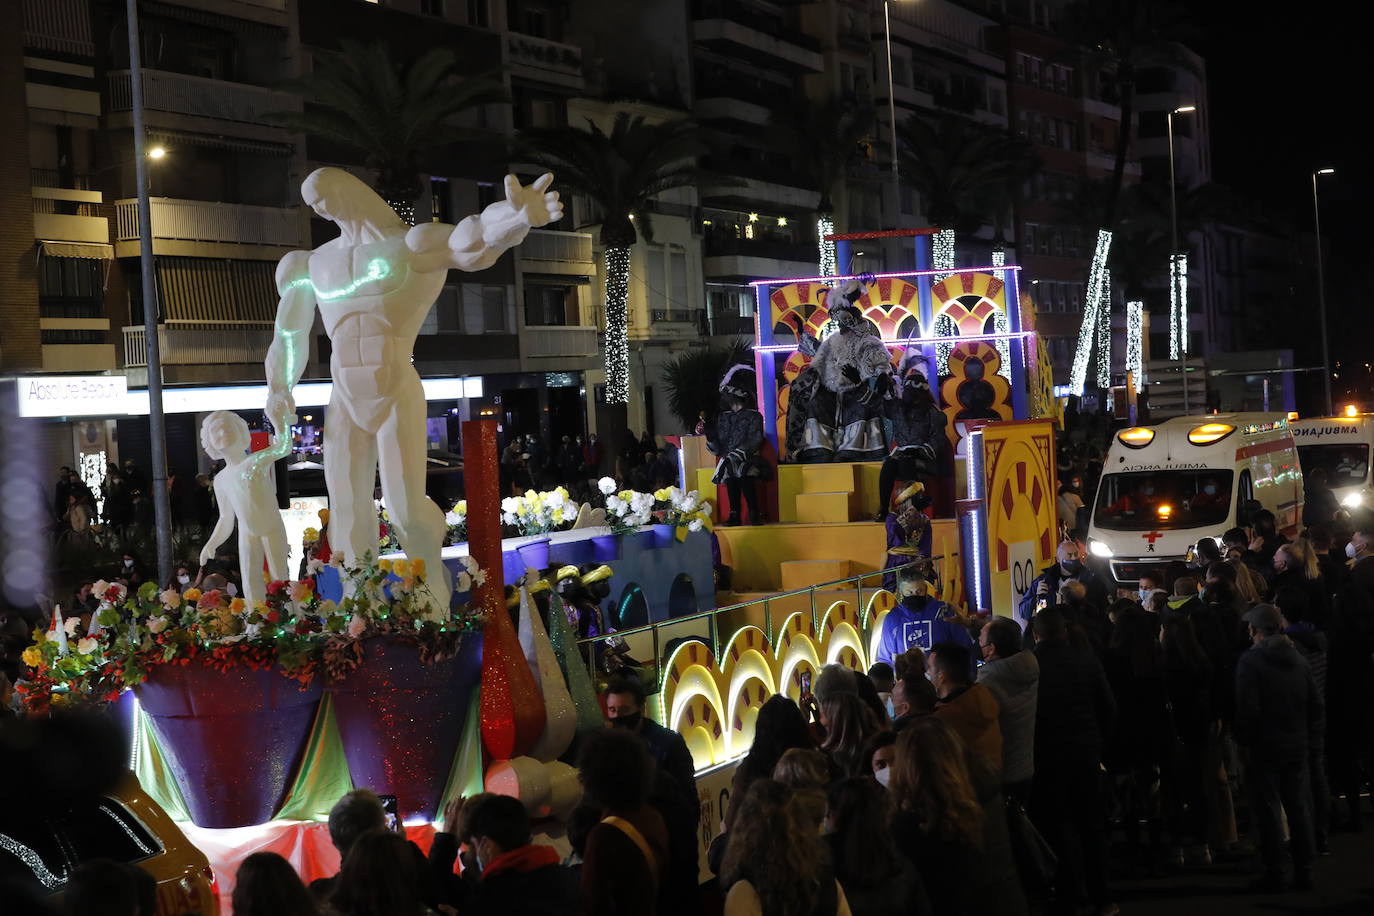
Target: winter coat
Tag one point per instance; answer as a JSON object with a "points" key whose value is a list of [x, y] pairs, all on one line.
{"points": [[1141, 707], [1015, 684], [1053, 576], [915, 425], [896, 894], [1311, 645], [1075, 710], [1279, 711], [529, 881], [973, 714]]}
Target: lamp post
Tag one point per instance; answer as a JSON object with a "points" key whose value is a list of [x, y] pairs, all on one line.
{"points": [[1175, 275], [892, 115], [1321, 289]]}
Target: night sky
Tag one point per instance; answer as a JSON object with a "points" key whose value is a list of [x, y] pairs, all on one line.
{"points": [[1288, 88]]}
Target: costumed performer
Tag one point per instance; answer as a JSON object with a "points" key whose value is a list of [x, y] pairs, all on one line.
{"points": [[737, 439], [844, 416], [918, 426], [908, 530]]}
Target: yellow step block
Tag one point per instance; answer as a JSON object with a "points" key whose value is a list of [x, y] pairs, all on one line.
{"points": [[824, 508], [827, 478], [797, 574]]}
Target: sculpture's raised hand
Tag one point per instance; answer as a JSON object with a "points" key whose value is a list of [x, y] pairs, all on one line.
{"points": [[534, 203]]}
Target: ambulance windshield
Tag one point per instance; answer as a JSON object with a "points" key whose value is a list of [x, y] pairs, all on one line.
{"points": [[1164, 499], [1346, 463]]}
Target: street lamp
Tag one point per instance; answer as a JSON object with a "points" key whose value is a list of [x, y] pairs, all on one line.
{"points": [[1175, 278], [1321, 288], [892, 114], [157, 152]]}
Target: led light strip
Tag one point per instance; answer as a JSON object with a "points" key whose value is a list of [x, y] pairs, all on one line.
{"points": [[1135, 345], [942, 252], [829, 266], [1178, 306], [1104, 332], [32, 860], [780, 281], [1079, 373], [908, 341], [617, 330]]}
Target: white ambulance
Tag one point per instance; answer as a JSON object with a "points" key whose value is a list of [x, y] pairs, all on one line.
{"points": [[1341, 446], [1165, 487]]}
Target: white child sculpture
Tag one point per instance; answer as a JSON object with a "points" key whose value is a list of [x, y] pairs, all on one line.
{"points": [[374, 285], [245, 493]]}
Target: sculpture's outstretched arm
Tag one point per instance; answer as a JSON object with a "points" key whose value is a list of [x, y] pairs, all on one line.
{"points": [[286, 356], [476, 242], [224, 525]]}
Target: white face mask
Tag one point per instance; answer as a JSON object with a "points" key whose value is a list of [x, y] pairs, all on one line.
{"points": [[1350, 550], [184, 580], [883, 776], [128, 564], [1145, 594]]}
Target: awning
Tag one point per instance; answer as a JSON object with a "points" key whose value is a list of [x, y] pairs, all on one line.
{"points": [[95, 250], [175, 138], [208, 289]]}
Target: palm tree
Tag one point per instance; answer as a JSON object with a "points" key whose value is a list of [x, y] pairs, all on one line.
{"points": [[621, 172], [964, 171], [388, 112], [823, 139], [693, 379]]}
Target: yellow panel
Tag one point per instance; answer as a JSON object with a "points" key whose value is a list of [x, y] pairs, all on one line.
{"points": [[757, 553], [823, 508], [798, 574], [1021, 498], [827, 478]]}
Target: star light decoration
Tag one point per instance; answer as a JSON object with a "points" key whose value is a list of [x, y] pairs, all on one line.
{"points": [[829, 266], [1178, 305], [1078, 375], [1104, 332], [1135, 346], [617, 357]]}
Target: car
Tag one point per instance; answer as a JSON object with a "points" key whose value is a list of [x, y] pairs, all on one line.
{"points": [[124, 824]]}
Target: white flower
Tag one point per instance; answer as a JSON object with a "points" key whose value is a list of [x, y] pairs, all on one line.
{"points": [[313, 566], [87, 645], [606, 485], [510, 504], [469, 564], [100, 588], [695, 525], [508, 518], [171, 598], [252, 630], [480, 577], [157, 624], [642, 502], [71, 625], [462, 583], [690, 503], [356, 626], [454, 517]]}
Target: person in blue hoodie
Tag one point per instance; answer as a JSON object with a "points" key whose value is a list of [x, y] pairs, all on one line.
{"points": [[920, 621]]}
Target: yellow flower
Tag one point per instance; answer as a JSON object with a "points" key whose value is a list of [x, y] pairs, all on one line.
{"points": [[384, 565], [191, 594], [32, 656], [661, 495], [236, 606], [463, 506], [401, 568], [261, 608], [311, 535], [417, 568]]}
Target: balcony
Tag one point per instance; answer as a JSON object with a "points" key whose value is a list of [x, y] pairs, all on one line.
{"points": [[66, 214], [183, 225], [197, 96], [549, 251], [63, 26], [752, 36], [545, 61], [544, 342], [200, 344]]}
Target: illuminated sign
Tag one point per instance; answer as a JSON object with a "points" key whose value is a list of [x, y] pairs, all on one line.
{"points": [[71, 395]]}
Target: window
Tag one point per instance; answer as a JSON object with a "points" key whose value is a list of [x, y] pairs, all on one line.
{"points": [[440, 200], [432, 7], [1167, 499], [1022, 66], [551, 305], [535, 22], [446, 317], [1030, 238], [680, 301], [1022, 120], [71, 287], [655, 277], [478, 13], [901, 71], [494, 309]]}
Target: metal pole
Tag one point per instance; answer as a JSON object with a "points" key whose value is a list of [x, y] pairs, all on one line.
{"points": [[1321, 299], [1174, 278], [157, 425], [892, 117]]}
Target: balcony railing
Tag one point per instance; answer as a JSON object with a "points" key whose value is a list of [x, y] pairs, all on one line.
{"points": [[59, 25], [200, 221], [543, 341], [182, 93], [53, 178], [200, 344], [737, 13], [551, 58], [553, 245], [778, 249]]}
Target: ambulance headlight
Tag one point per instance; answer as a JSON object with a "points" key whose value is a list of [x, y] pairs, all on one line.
{"points": [[1353, 501], [1099, 549]]}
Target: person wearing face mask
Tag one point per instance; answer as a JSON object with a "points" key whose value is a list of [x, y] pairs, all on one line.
{"points": [[1266, 540], [920, 621], [1150, 583], [625, 698], [1070, 501], [736, 439], [844, 415], [1044, 589], [1013, 676], [908, 529], [918, 426], [516, 875]]}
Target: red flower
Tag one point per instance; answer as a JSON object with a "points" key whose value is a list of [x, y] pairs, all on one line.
{"points": [[382, 530], [276, 587], [273, 616]]}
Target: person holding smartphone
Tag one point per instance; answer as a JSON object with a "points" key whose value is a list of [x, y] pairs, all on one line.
{"points": [[920, 621]]}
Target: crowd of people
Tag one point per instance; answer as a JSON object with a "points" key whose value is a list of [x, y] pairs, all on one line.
{"points": [[577, 462]]}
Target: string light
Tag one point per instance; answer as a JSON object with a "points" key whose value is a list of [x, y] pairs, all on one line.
{"points": [[829, 265], [377, 269], [1135, 344], [617, 332], [1000, 323], [1104, 332], [782, 222], [1078, 375], [942, 252], [1178, 305], [753, 217]]}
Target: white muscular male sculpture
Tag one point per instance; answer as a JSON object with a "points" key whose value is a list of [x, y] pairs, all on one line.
{"points": [[374, 285]]}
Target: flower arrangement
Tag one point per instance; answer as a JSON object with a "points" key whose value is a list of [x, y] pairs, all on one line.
{"points": [[684, 509], [629, 510], [457, 521], [539, 513], [292, 628]]}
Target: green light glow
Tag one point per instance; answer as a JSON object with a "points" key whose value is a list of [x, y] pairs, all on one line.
{"points": [[377, 269]]}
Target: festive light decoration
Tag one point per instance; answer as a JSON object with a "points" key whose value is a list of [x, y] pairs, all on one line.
{"points": [[947, 335], [377, 269], [753, 217], [1104, 332], [617, 332], [1000, 323], [829, 266], [901, 274], [1135, 345], [899, 343], [782, 222], [942, 251], [1079, 373], [1178, 306]]}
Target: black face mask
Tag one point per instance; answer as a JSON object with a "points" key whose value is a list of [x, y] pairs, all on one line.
{"points": [[1071, 567], [631, 721], [917, 601]]}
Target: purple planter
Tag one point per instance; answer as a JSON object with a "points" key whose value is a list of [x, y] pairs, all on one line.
{"points": [[535, 554], [664, 535], [605, 548], [571, 551], [401, 721], [233, 739]]}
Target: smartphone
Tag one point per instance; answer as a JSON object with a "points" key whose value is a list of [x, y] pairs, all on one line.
{"points": [[393, 816], [806, 683], [1042, 603]]}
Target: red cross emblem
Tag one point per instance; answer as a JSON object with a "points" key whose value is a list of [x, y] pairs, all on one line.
{"points": [[1150, 538]]}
